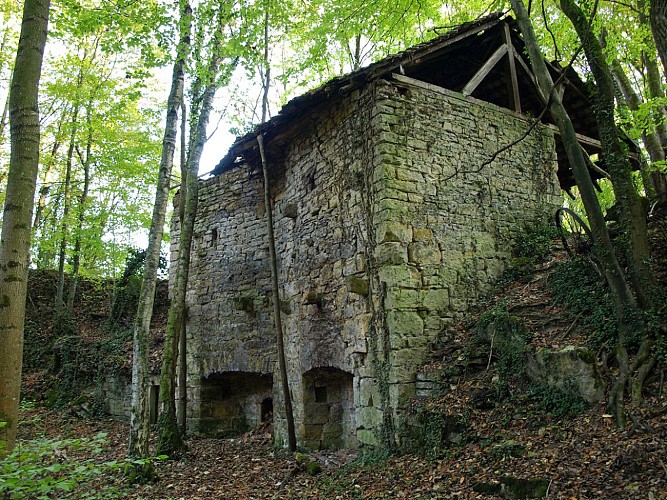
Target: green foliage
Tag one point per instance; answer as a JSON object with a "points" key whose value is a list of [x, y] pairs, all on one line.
{"points": [[556, 403], [128, 287], [579, 288], [535, 242], [50, 468], [76, 366], [41, 468], [504, 337], [437, 431], [342, 481], [531, 247]]}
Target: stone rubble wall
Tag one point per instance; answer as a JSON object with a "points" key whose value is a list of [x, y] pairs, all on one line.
{"points": [[388, 226], [448, 211], [229, 325]]}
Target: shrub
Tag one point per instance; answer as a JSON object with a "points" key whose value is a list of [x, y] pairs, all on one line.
{"points": [[556, 403], [507, 339], [47, 468], [580, 289]]}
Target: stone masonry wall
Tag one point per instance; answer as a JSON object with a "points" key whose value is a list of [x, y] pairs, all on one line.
{"points": [[320, 229], [388, 225], [447, 213], [229, 328]]}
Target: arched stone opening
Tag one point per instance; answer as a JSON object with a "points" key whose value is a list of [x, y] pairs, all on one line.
{"points": [[328, 409], [233, 402]]}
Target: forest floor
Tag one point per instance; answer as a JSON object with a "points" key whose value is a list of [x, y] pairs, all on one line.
{"points": [[577, 454], [581, 457]]}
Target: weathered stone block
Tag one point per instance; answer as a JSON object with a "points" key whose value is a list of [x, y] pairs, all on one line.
{"points": [[401, 394], [393, 231], [436, 300], [367, 437], [391, 253], [369, 392], [572, 370], [404, 323], [291, 210], [424, 253], [422, 234], [398, 298], [400, 276], [368, 417], [357, 285], [485, 245]]}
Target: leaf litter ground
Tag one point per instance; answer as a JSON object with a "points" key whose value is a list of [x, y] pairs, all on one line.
{"points": [[581, 456]]}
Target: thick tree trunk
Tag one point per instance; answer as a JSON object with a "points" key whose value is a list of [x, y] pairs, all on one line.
{"points": [[17, 215], [658, 15], [140, 416], [632, 215], [624, 301]]}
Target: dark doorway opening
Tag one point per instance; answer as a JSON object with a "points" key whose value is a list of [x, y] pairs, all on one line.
{"points": [[267, 410], [233, 402]]}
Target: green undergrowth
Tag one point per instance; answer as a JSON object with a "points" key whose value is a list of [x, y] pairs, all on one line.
{"points": [[45, 468], [577, 286], [531, 247], [504, 338], [553, 402], [342, 482]]}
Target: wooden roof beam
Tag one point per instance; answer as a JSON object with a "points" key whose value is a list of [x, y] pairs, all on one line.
{"points": [[513, 83], [484, 70]]}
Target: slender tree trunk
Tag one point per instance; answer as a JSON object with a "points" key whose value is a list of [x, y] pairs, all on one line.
{"points": [[632, 215], [17, 215], [46, 187], [62, 251], [182, 348], [282, 365], [654, 80], [624, 301], [657, 183], [3, 121], [140, 416], [658, 15], [83, 200], [655, 88], [5, 107], [170, 442]]}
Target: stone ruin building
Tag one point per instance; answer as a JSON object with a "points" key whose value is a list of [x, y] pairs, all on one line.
{"points": [[395, 207]]}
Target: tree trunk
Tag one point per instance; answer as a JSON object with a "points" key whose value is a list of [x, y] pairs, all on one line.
{"points": [[623, 299], [5, 107], [657, 183], [658, 15], [17, 215], [140, 416], [62, 251], [282, 365], [170, 442], [83, 199], [182, 347], [632, 214]]}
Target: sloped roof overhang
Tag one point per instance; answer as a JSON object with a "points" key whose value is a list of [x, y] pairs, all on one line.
{"points": [[485, 59]]}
